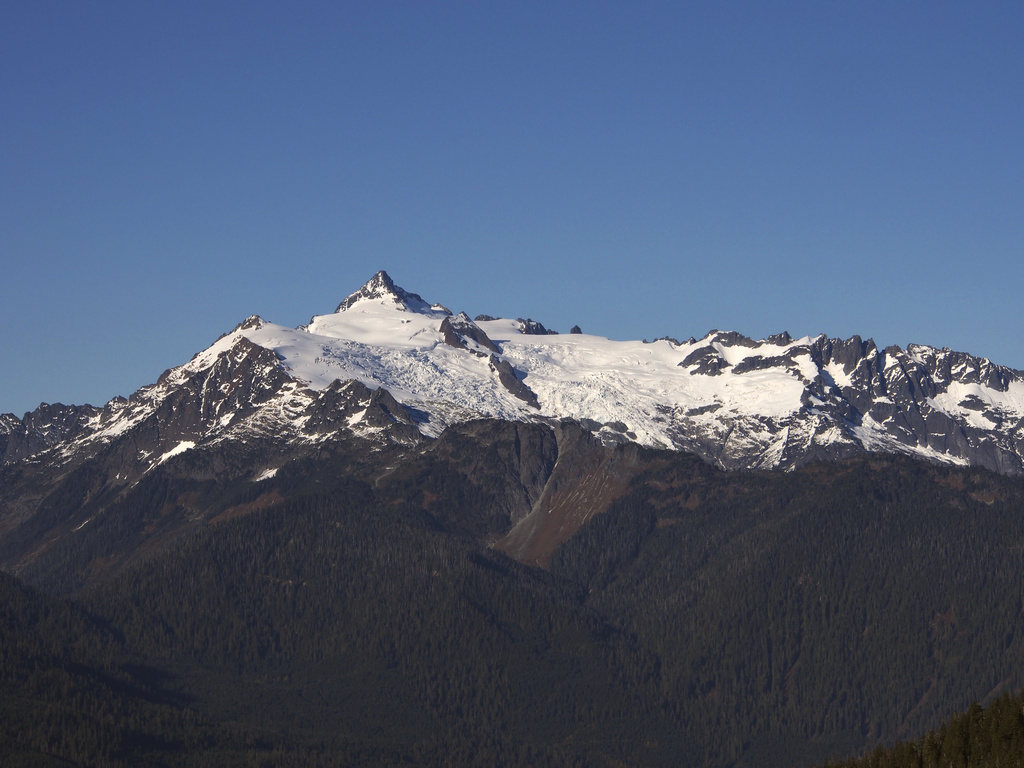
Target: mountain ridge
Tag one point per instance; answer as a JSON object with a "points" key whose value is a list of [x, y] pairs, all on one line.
{"points": [[737, 402]]}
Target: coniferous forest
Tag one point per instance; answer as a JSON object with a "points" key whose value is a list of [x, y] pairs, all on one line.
{"points": [[334, 614], [981, 737]]}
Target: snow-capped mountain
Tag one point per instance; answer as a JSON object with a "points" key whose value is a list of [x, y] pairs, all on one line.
{"points": [[388, 365]]}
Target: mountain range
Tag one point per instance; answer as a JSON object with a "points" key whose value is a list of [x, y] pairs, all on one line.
{"points": [[401, 536], [386, 361]]}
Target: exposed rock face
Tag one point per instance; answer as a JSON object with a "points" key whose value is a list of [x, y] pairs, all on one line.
{"points": [[459, 329], [348, 404], [731, 339], [586, 478], [511, 382], [46, 426], [511, 460], [533, 328], [705, 361]]}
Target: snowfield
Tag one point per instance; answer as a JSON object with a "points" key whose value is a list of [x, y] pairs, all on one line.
{"points": [[574, 376]]}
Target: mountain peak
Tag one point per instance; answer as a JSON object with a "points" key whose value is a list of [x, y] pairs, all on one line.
{"points": [[382, 289]]}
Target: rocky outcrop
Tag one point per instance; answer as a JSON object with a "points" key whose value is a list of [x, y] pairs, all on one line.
{"points": [[533, 328], [510, 381], [459, 329], [704, 361]]}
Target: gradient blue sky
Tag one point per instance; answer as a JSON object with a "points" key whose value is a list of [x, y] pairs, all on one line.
{"points": [[167, 169]]}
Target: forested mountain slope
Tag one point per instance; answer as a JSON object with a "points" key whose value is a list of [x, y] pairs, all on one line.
{"points": [[358, 603]]}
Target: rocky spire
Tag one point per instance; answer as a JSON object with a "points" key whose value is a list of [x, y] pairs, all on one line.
{"points": [[381, 288]]}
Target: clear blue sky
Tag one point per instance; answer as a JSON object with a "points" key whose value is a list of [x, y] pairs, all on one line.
{"points": [[642, 169]]}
